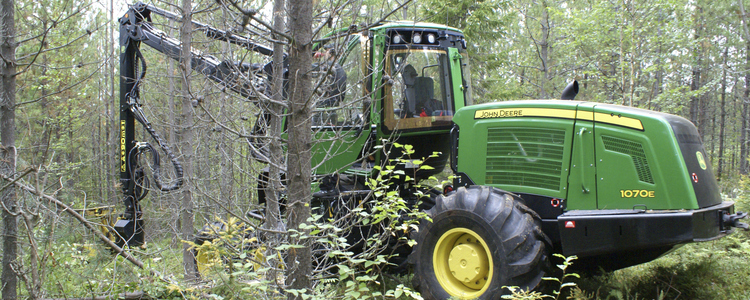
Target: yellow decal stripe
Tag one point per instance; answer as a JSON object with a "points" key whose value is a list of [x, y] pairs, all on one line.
{"points": [[559, 113], [524, 112], [123, 167], [618, 120], [585, 115]]}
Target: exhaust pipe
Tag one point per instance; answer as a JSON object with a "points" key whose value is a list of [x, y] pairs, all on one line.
{"points": [[570, 91]]}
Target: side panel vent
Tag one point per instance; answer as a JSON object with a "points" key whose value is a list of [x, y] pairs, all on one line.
{"points": [[635, 151], [525, 156]]}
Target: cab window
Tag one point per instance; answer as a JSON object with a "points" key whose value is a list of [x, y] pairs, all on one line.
{"points": [[340, 97], [420, 95]]}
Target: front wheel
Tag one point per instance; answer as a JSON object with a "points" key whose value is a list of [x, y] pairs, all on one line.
{"points": [[480, 240]]}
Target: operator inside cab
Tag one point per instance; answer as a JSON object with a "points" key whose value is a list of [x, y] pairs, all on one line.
{"points": [[334, 86], [341, 81], [420, 97]]}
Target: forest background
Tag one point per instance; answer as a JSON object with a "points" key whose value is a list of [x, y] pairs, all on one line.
{"points": [[685, 57]]}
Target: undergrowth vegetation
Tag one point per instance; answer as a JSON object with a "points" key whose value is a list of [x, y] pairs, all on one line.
{"points": [[78, 266]]}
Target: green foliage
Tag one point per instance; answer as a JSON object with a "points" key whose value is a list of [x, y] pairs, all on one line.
{"points": [[491, 62], [389, 218], [59, 54], [95, 271], [237, 265], [560, 283], [233, 264]]}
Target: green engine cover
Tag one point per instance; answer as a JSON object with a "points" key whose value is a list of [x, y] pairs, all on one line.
{"points": [[588, 155]]}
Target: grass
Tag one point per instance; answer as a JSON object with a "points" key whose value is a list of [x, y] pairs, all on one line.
{"points": [[689, 273]]}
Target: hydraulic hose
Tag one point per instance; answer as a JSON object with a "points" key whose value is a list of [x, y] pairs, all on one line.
{"points": [[138, 114]]}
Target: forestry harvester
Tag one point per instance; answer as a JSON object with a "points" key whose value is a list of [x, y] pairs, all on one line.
{"points": [[611, 184]]}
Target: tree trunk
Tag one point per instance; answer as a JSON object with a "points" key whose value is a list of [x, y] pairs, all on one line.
{"points": [[658, 76], [174, 105], [275, 154], [745, 105], [622, 56], [722, 115], [544, 52], [633, 53], [8, 146], [273, 214], [745, 112], [112, 110], [186, 209], [299, 174], [695, 82], [737, 114]]}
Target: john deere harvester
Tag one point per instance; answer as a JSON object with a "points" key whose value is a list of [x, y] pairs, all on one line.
{"points": [[614, 185]]}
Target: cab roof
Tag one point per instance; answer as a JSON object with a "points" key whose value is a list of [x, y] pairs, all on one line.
{"points": [[412, 24]]}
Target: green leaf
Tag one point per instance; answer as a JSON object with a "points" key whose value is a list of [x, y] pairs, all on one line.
{"points": [[344, 269], [567, 284]]}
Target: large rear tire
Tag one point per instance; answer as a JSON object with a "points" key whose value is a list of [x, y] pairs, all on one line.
{"points": [[480, 240]]}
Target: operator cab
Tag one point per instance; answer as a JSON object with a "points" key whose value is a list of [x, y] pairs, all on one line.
{"points": [[424, 77], [425, 80], [400, 81]]}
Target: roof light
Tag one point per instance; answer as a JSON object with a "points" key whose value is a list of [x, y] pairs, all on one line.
{"points": [[417, 38], [397, 39], [431, 38]]}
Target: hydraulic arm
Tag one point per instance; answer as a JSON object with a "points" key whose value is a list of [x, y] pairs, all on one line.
{"points": [[136, 28]]}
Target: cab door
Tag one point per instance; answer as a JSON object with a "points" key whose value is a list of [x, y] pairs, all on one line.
{"points": [[340, 119]]}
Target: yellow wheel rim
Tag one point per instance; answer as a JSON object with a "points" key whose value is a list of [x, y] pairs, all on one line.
{"points": [[462, 263]]}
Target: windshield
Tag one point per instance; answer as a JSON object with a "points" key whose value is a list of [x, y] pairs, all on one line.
{"points": [[419, 94]]}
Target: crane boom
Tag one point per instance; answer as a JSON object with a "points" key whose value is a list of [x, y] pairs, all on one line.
{"points": [[136, 29]]}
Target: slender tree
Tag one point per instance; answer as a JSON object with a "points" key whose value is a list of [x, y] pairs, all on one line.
{"points": [[723, 115], [186, 136], [299, 173], [746, 95], [8, 146], [275, 110]]}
